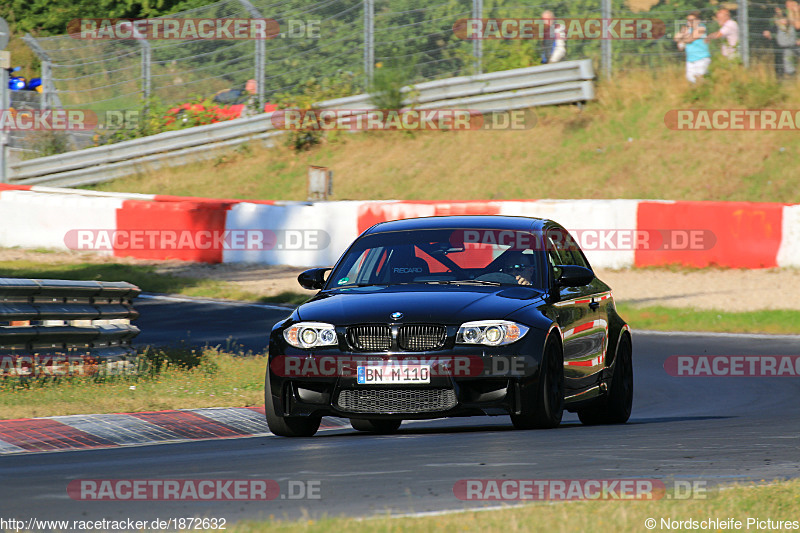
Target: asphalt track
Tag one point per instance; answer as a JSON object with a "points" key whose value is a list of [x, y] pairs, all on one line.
{"points": [[709, 429]]}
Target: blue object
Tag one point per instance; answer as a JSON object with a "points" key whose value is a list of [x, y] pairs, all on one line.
{"points": [[697, 49]]}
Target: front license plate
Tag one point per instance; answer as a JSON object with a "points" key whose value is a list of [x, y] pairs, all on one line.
{"points": [[393, 374]]}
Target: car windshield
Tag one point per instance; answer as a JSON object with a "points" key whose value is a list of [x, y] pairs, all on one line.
{"points": [[451, 256]]}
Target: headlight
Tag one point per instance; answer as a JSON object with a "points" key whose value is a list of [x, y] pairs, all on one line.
{"points": [[490, 332], [310, 335]]}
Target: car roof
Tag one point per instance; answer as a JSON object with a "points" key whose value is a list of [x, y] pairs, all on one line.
{"points": [[500, 222]]}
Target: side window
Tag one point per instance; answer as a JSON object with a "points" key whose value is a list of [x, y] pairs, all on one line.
{"points": [[568, 252], [553, 257], [579, 259], [368, 267], [571, 247], [556, 252]]}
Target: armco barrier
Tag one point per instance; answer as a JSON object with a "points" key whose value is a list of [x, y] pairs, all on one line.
{"points": [[47, 318], [745, 235]]}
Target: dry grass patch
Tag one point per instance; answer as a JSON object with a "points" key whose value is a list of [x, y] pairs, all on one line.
{"points": [[616, 147]]}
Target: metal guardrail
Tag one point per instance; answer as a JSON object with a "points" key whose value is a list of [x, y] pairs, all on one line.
{"points": [[43, 319], [560, 83]]}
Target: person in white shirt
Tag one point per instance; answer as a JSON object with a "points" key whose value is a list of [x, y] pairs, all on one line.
{"points": [[554, 43], [729, 30]]}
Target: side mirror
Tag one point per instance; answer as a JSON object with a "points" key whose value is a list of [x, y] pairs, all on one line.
{"points": [[313, 279], [574, 276]]}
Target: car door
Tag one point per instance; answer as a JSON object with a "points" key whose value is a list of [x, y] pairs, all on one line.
{"points": [[581, 313]]}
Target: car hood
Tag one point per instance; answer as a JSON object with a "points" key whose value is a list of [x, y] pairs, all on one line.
{"points": [[420, 303]]}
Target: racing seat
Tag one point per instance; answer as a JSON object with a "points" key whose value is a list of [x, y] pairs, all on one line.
{"points": [[406, 270]]}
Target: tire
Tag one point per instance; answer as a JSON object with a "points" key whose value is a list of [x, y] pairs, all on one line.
{"points": [[616, 407], [287, 426], [383, 427], [545, 409]]}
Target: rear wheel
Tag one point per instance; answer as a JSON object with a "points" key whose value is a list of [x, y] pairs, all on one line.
{"points": [[375, 426], [615, 408], [287, 426], [545, 409]]}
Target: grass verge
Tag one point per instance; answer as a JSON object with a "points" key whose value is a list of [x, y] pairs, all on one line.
{"points": [[776, 501], [682, 319], [177, 379], [617, 147]]}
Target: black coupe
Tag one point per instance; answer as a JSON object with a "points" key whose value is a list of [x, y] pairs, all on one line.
{"points": [[452, 316]]}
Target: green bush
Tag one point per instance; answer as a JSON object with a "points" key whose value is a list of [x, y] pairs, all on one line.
{"points": [[385, 91], [305, 96], [156, 360], [50, 143], [728, 81]]}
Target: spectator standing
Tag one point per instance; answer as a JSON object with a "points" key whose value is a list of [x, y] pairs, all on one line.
{"points": [[692, 39], [729, 30], [793, 13], [784, 34], [553, 45]]}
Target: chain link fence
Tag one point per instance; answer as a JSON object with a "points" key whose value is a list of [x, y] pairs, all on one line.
{"points": [[337, 38]]}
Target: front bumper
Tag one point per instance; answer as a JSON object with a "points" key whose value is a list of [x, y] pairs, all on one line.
{"points": [[494, 383]]}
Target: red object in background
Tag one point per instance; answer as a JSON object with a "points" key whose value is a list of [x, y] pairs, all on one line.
{"points": [[370, 214], [216, 113], [226, 105], [748, 234], [138, 215]]}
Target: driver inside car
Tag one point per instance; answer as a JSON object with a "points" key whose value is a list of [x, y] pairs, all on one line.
{"points": [[515, 264], [521, 268]]}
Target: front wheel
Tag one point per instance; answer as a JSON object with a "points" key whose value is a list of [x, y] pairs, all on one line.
{"points": [[383, 427], [287, 426], [545, 409], [616, 407]]}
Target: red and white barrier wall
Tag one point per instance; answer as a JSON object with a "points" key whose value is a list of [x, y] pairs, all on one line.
{"points": [[745, 235]]}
